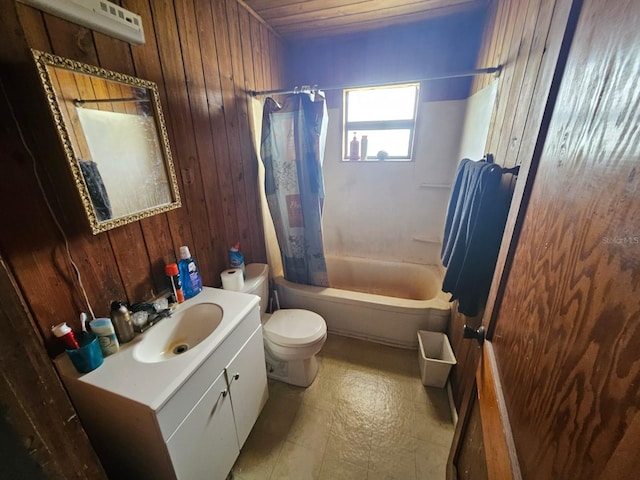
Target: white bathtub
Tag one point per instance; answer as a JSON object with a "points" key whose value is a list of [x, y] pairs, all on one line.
{"points": [[384, 302]]}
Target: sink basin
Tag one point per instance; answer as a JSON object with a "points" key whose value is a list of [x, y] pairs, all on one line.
{"points": [[177, 335]]}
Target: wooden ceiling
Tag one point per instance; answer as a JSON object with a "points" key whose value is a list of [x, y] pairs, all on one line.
{"points": [[317, 18]]}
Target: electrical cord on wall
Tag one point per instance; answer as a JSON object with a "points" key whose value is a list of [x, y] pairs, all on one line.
{"points": [[46, 200]]}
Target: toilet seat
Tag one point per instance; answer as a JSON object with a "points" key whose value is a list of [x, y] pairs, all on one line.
{"points": [[295, 328]]}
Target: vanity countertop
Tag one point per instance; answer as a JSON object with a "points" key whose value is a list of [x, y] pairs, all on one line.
{"points": [[152, 384]]}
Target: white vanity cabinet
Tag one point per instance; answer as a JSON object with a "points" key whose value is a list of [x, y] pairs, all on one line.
{"points": [[185, 418], [247, 385], [208, 441], [204, 445]]}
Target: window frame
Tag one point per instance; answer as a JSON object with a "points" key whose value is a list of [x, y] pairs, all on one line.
{"points": [[380, 124]]}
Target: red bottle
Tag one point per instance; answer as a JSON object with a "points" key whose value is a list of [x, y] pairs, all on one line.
{"points": [[174, 276], [64, 333]]}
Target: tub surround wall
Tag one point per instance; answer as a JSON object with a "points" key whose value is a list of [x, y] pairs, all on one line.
{"points": [[203, 55], [393, 210]]}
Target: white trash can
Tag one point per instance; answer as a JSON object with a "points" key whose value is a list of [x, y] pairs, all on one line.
{"points": [[435, 357]]}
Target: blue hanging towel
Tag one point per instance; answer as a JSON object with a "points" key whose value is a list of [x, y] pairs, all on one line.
{"points": [[474, 225]]}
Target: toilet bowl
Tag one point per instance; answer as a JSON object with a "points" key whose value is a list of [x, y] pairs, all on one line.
{"points": [[292, 337]]}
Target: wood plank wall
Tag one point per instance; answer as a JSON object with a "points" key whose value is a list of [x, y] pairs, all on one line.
{"points": [[394, 54], [525, 37], [204, 56], [37, 442]]}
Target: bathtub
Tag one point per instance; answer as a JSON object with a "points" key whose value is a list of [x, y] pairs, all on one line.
{"points": [[384, 302]]}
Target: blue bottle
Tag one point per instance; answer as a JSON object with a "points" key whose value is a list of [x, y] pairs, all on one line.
{"points": [[236, 259], [189, 274]]}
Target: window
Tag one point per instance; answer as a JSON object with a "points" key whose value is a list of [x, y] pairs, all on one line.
{"points": [[381, 120]]}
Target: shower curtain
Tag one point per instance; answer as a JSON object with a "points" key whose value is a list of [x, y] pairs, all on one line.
{"points": [[292, 149]]}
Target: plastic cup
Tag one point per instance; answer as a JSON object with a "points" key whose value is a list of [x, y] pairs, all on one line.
{"points": [[89, 356]]}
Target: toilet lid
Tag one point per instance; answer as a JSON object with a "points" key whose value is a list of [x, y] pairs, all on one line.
{"points": [[293, 327]]}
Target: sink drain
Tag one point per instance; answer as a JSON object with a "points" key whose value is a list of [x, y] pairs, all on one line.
{"points": [[180, 348]]}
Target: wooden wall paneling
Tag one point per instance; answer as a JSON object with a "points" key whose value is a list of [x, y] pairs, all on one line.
{"points": [[218, 126], [202, 77], [258, 53], [128, 242], [244, 82], [556, 49], [527, 65], [266, 55], [511, 57], [247, 175], [93, 254], [128, 263], [581, 324], [227, 80], [187, 155], [467, 352], [164, 234], [41, 435]]}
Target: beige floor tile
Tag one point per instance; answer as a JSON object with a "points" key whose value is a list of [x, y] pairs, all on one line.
{"points": [[366, 416], [354, 451], [311, 427], [432, 401], [278, 414], [432, 429], [297, 462], [431, 461], [333, 469], [258, 456], [393, 453]]}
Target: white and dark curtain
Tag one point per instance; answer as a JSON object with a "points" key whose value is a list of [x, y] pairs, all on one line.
{"points": [[292, 149]]}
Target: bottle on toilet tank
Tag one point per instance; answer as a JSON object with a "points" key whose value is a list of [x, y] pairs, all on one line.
{"points": [[236, 259], [189, 274]]}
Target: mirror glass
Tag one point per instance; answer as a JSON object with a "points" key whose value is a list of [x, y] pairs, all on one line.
{"points": [[115, 139]]}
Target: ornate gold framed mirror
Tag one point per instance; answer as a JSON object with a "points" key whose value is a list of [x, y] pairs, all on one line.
{"points": [[115, 139]]}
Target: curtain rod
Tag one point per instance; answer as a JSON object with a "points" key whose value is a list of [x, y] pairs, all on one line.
{"points": [[315, 88]]}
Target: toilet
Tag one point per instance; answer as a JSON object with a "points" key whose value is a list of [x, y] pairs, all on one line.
{"points": [[292, 337]]}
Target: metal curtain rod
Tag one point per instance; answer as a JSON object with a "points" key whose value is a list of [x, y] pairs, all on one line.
{"points": [[78, 102], [315, 88]]}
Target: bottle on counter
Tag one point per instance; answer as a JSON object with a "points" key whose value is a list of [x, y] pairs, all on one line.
{"points": [[66, 335], [172, 271], [122, 323], [103, 329], [236, 259], [189, 274]]}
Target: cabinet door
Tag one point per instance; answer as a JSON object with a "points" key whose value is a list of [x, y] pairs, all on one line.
{"points": [[247, 377], [204, 445]]}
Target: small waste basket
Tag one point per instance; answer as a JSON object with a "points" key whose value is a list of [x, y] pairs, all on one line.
{"points": [[435, 357]]}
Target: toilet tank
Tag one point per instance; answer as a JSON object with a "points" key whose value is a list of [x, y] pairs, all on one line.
{"points": [[256, 282]]}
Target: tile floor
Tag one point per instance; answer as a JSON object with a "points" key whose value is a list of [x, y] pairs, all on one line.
{"points": [[366, 416]]}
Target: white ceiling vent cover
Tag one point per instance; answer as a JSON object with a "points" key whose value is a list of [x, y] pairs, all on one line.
{"points": [[99, 15]]}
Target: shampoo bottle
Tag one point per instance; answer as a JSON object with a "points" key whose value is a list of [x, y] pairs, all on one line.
{"points": [[189, 274], [236, 259]]}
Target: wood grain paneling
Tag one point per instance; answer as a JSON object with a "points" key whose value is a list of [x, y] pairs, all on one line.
{"points": [[295, 19], [203, 56], [41, 435], [567, 326], [525, 36]]}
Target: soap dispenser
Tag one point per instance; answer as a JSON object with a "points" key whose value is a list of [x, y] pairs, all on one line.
{"points": [[121, 319]]}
